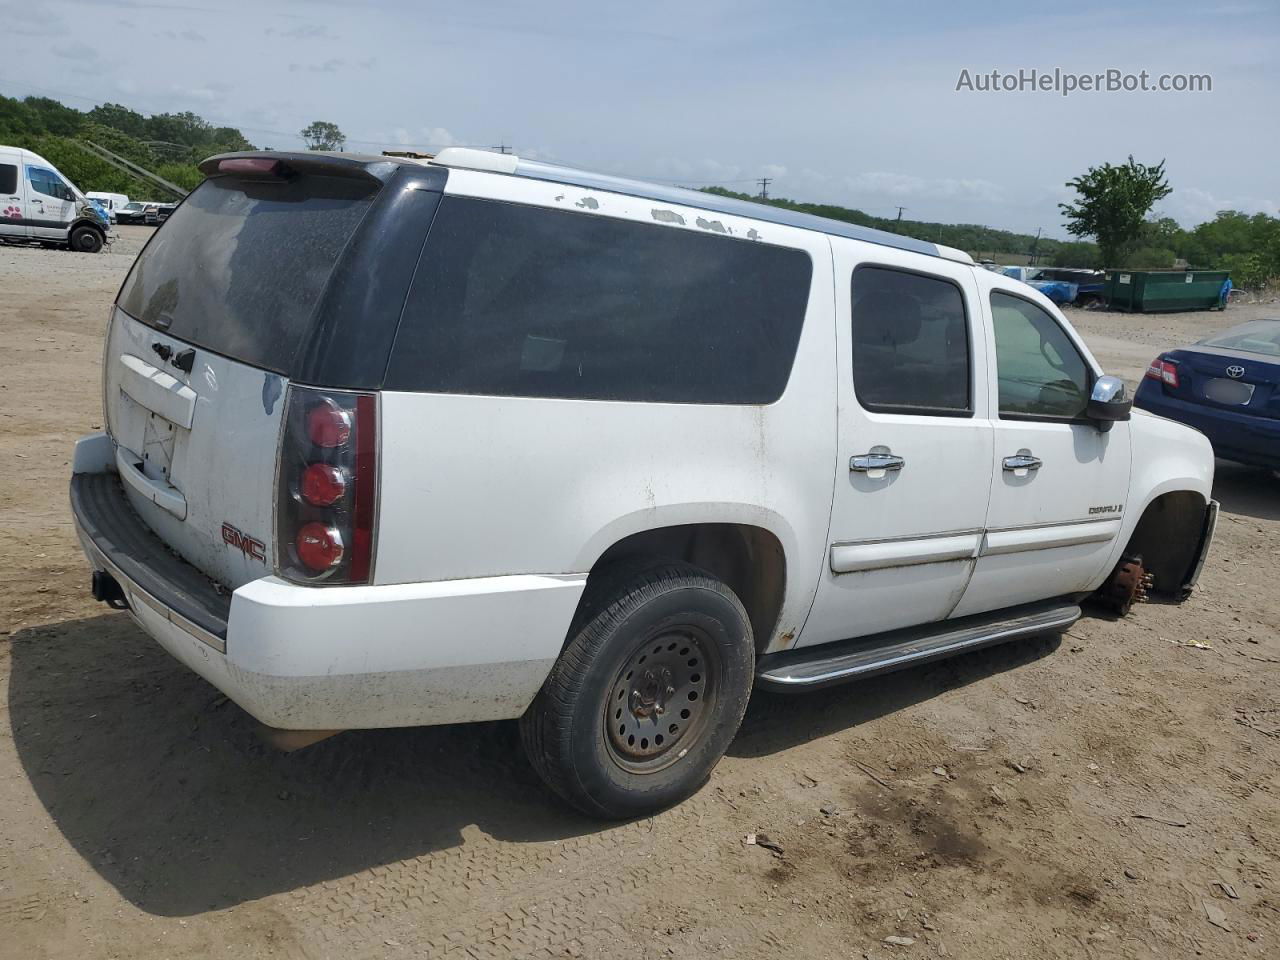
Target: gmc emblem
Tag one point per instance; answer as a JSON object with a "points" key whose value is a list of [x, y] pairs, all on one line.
{"points": [[249, 546]]}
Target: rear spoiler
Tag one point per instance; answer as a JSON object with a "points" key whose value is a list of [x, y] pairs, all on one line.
{"points": [[277, 165]]}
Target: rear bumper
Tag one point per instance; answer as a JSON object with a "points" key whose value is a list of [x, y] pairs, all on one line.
{"points": [[1242, 437], [308, 658]]}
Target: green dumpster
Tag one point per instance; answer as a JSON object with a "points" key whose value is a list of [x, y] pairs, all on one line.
{"points": [[1154, 291]]}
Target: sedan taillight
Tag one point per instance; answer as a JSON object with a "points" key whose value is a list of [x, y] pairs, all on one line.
{"points": [[328, 486], [1163, 370]]}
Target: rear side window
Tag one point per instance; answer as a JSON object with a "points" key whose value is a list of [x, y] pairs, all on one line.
{"points": [[910, 343], [514, 300], [1040, 372], [8, 179], [241, 264]]}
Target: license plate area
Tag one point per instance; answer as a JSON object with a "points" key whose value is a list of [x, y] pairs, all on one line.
{"points": [[1231, 392]]}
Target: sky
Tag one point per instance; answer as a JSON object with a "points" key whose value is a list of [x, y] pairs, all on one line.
{"points": [[837, 102]]}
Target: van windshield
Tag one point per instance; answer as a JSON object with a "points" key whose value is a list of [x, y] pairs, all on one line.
{"points": [[241, 264]]}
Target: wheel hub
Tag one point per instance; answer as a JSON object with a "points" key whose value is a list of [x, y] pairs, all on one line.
{"points": [[659, 699]]}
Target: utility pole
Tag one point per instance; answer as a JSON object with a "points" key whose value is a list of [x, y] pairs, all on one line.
{"points": [[1035, 247], [900, 209], [764, 187]]}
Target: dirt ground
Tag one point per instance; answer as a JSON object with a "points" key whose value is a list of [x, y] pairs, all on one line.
{"points": [[1114, 794]]}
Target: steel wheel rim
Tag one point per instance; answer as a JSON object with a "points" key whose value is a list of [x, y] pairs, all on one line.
{"points": [[662, 699]]}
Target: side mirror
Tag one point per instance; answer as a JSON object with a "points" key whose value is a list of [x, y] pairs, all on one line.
{"points": [[1109, 402]]}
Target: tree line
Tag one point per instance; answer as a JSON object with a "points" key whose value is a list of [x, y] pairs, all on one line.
{"points": [[1113, 202], [167, 144]]}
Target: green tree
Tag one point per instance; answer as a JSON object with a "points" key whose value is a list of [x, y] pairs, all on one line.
{"points": [[119, 117], [1112, 203], [1079, 254], [1151, 258], [323, 135]]}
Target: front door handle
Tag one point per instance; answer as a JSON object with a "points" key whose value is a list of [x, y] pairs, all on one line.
{"points": [[866, 462], [1022, 461]]}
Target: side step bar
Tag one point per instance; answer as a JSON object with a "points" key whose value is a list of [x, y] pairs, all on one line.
{"points": [[811, 668]]}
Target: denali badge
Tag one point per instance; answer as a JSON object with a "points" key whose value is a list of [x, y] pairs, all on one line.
{"points": [[1106, 508], [249, 546]]}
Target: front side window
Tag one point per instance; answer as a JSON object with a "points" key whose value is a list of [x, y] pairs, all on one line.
{"points": [[1040, 371], [48, 183], [910, 343], [523, 301]]}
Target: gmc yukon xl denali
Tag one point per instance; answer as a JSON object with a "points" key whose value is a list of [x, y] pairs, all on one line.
{"points": [[392, 442]]}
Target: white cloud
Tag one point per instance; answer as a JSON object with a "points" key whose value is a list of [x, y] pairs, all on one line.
{"points": [[427, 137], [905, 187], [1191, 205]]}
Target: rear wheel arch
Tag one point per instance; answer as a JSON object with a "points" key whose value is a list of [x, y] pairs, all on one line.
{"points": [[750, 560]]}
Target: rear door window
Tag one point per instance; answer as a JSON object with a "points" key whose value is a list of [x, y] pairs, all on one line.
{"points": [[8, 179], [910, 343], [241, 264], [515, 300]]}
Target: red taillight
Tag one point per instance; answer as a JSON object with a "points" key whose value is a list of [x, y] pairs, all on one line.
{"points": [[326, 514], [322, 484], [328, 425], [319, 547], [1163, 370], [254, 166]]}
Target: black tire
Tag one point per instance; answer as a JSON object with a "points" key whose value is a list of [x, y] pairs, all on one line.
{"points": [[86, 240], [685, 707]]}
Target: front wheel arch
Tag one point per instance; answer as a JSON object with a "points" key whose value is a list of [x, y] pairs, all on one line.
{"points": [[1167, 537]]}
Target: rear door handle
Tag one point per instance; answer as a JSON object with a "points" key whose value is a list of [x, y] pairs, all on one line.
{"points": [[1022, 461], [866, 462]]}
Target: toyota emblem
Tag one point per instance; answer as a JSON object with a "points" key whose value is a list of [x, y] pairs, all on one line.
{"points": [[1235, 371]]}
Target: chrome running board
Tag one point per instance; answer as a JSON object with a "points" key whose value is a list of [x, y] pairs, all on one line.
{"points": [[810, 668]]}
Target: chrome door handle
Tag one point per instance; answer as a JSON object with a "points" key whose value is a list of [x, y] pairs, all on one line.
{"points": [[1022, 461], [866, 462]]}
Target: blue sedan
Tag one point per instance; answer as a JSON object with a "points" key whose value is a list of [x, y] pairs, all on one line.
{"points": [[1227, 387]]}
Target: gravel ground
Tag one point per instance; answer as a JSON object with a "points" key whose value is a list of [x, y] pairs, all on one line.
{"points": [[1111, 794]]}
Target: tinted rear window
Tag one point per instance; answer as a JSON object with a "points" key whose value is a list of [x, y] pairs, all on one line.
{"points": [[241, 264], [514, 300], [8, 178]]}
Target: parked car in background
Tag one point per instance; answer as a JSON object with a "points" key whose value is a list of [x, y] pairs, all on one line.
{"points": [[1226, 386], [39, 205], [151, 213], [596, 454], [164, 211], [131, 212], [112, 202]]}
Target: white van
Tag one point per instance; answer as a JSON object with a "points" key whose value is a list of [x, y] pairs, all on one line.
{"points": [[39, 205], [392, 443], [113, 202]]}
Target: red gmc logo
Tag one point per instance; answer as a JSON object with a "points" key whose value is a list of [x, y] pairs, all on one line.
{"points": [[249, 546]]}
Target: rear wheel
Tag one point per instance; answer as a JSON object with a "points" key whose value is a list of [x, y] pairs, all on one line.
{"points": [[86, 240], [647, 695]]}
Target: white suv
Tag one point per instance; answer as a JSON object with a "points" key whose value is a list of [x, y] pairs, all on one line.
{"points": [[394, 443]]}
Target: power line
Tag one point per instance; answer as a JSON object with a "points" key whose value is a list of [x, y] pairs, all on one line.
{"points": [[764, 186]]}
